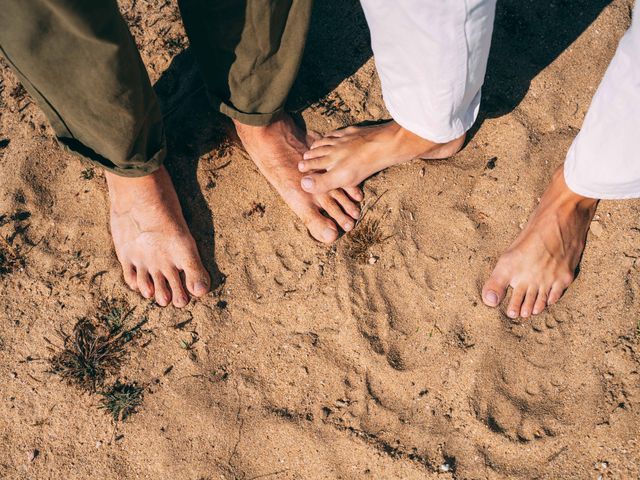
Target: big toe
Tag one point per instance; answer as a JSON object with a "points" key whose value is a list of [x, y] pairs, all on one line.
{"points": [[495, 289], [196, 277], [320, 227], [324, 182]]}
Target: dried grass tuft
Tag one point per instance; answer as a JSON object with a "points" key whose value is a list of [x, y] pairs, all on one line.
{"points": [[95, 349]]}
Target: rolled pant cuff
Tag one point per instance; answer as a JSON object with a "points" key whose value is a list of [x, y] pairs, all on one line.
{"points": [[252, 119], [138, 169]]}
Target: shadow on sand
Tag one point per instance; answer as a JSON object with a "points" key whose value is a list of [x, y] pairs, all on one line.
{"points": [[528, 36]]}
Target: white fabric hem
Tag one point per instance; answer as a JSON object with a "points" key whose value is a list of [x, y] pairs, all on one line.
{"points": [[427, 133], [600, 195]]}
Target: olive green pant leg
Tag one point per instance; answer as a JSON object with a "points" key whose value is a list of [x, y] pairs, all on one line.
{"points": [[249, 52], [79, 62]]}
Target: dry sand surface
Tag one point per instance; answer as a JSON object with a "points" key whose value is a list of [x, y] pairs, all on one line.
{"points": [[314, 362]]}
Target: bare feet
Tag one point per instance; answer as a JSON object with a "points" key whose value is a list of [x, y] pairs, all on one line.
{"points": [[152, 239], [541, 262], [276, 149], [344, 158]]}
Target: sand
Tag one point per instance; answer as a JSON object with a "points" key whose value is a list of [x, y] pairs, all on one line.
{"points": [[309, 362]]}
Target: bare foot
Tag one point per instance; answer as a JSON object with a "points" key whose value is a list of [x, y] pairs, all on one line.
{"points": [[344, 158], [541, 263], [152, 239], [276, 149]]}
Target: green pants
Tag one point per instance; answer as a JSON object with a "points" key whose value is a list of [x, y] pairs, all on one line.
{"points": [[78, 60]]}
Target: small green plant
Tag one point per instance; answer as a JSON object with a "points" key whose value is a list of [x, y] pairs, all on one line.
{"points": [[121, 400], [189, 344], [113, 314], [92, 352]]}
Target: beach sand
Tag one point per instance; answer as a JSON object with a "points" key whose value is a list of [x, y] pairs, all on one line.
{"points": [[316, 362]]}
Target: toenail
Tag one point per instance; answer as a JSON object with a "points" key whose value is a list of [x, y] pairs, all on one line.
{"points": [[329, 234], [201, 287], [300, 165], [513, 313], [306, 155], [348, 226], [307, 182], [491, 298]]}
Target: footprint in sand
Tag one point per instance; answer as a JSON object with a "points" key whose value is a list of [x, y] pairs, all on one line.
{"points": [[536, 385], [533, 391], [389, 301]]}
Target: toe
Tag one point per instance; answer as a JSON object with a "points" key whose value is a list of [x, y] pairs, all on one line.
{"points": [[319, 226], [333, 209], [556, 292], [196, 278], [495, 288], [129, 273], [529, 301], [341, 132], [314, 164], [355, 193], [145, 285], [348, 205], [312, 136], [317, 152], [178, 294], [517, 297], [323, 142], [541, 301], [324, 182], [163, 294]]}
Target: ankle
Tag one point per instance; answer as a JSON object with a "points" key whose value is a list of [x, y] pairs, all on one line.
{"points": [[568, 197], [244, 128]]}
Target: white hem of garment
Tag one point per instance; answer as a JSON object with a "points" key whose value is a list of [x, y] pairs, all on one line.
{"points": [[427, 133], [600, 195]]}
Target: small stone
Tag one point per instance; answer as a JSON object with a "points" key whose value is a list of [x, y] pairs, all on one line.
{"points": [[33, 454], [13, 375], [372, 260], [596, 228], [98, 444], [532, 389], [445, 467]]}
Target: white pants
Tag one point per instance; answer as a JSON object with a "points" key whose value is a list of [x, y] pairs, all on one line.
{"points": [[431, 57]]}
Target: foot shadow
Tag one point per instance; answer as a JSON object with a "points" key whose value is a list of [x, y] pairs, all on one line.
{"points": [[527, 38], [194, 129], [331, 54]]}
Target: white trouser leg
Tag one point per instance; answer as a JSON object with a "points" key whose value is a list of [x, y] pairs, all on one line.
{"points": [[604, 161], [431, 57]]}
